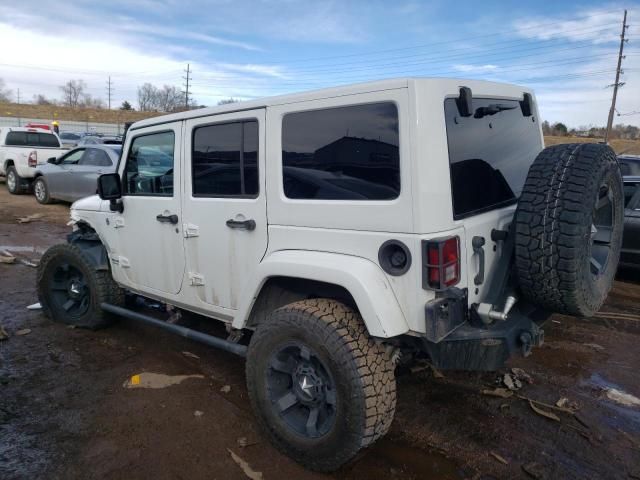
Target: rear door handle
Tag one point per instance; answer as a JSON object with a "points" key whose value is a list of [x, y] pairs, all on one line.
{"points": [[241, 224], [173, 219]]}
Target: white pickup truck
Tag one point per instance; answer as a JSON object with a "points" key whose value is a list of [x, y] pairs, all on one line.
{"points": [[21, 150]]}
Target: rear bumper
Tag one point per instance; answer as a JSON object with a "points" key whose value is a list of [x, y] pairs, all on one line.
{"points": [[487, 348]]}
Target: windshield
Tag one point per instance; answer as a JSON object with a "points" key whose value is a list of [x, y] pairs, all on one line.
{"points": [[489, 153]]}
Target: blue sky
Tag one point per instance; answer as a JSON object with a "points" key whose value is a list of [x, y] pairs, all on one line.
{"points": [[565, 50]]}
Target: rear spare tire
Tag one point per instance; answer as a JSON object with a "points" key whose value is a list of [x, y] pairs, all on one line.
{"points": [[320, 386], [569, 224]]}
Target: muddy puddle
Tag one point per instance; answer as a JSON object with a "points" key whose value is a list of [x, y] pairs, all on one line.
{"points": [[624, 407], [22, 249], [406, 461]]}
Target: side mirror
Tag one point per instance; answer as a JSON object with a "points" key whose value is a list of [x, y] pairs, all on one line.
{"points": [[110, 188], [52, 160]]}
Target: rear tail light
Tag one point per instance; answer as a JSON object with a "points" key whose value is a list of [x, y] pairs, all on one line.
{"points": [[441, 263], [33, 159]]}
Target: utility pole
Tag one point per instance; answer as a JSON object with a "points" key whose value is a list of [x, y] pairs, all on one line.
{"points": [[109, 90], [19, 119], [617, 82], [186, 88]]}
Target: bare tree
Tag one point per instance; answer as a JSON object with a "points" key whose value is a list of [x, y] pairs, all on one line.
{"points": [[40, 99], [5, 93], [165, 99], [147, 94], [226, 101], [169, 99], [73, 92], [87, 101]]}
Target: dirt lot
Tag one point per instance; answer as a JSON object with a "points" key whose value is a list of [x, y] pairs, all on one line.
{"points": [[64, 412]]}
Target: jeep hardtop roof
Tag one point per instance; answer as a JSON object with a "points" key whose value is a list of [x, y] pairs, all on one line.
{"points": [[351, 89]]}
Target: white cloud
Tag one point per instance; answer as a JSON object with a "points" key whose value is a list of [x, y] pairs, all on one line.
{"points": [[463, 67], [598, 26], [52, 60]]}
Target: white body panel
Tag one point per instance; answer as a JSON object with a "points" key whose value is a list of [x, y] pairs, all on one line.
{"points": [[148, 255], [329, 241], [221, 258]]}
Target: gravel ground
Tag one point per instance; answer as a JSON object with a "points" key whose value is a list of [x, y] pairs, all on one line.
{"points": [[64, 412]]}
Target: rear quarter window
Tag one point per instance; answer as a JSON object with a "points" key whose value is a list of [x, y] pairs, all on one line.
{"points": [[342, 153]]}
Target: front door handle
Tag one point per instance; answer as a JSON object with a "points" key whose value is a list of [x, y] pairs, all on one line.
{"points": [[241, 224], [173, 219]]}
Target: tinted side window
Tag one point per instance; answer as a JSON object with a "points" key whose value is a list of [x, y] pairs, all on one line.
{"points": [[47, 140], [16, 139], [344, 153], [224, 160], [149, 167], [629, 167], [95, 158]]}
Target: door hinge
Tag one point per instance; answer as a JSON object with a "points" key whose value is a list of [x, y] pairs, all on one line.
{"points": [[190, 230], [118, 222], [196, 279]]}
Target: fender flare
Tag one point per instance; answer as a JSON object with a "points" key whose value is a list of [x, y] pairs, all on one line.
{"points": [[91, 244], [362, 278]]}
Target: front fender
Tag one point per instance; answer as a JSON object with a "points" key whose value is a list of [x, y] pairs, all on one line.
{"points": [[362, 278]]}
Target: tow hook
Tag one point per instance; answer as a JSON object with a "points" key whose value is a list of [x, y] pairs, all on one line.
{"points": [[488, 314]]}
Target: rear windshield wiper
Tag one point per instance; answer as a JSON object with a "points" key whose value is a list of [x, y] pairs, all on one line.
{"points": [[491, 110]]}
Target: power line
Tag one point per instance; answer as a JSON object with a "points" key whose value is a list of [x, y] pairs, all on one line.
{"points": [[460, 39], [617, 82], [502, 45]]}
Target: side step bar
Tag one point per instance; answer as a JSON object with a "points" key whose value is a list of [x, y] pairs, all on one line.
{"points": [[182, 331]]}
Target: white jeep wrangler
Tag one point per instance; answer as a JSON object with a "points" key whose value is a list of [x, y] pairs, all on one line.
{"points": [[340, 231]]}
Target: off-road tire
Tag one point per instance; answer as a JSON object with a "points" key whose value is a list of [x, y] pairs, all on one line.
{"points": [[363, 373], [17, 187], [554, 226], [99, 283], [43, 198]]}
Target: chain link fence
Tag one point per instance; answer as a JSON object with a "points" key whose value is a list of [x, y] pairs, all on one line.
{"points": [[67, 125]]}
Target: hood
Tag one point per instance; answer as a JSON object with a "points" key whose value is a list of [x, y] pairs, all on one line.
{"points": [[92, 204]]}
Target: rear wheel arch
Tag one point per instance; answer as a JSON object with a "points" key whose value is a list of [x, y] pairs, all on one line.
{"points": [[8, 163], [278, 291], [355, 280]]}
